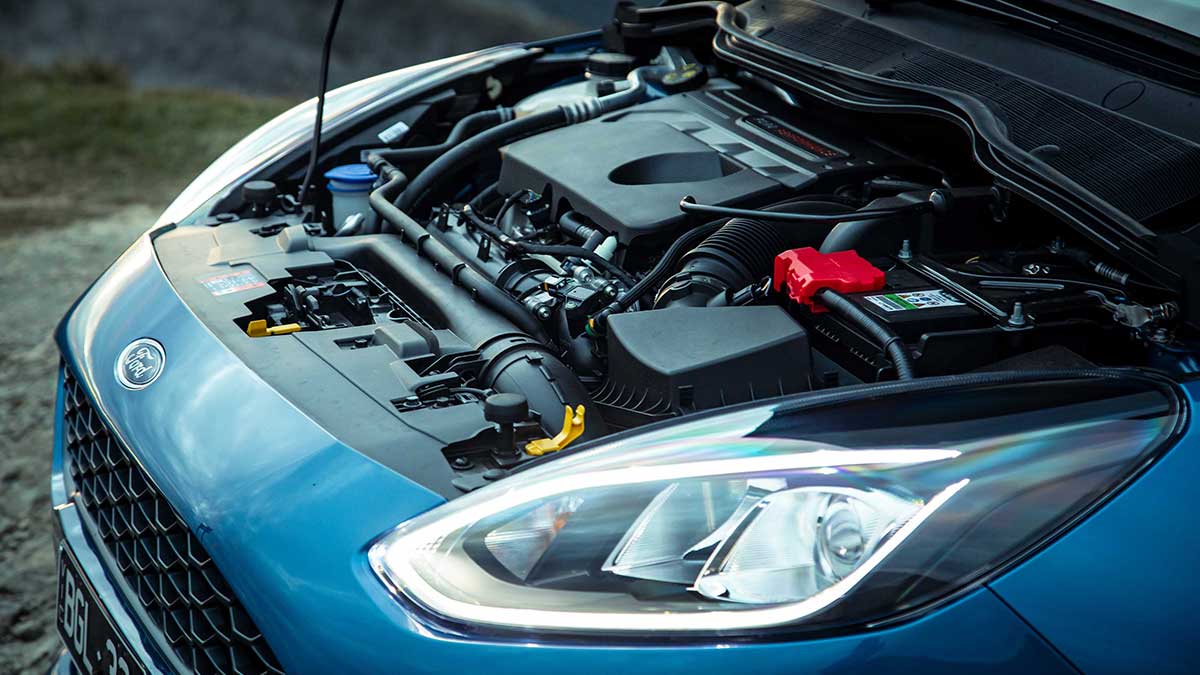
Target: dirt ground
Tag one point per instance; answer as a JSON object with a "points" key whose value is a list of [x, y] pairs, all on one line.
{"points": [[41, 274]]}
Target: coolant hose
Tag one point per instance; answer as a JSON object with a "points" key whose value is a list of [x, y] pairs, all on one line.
{"points": [[470, 150], [467, 126], [573, 224], [883, 336]]}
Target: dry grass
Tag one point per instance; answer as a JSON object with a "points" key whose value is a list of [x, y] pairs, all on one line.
{"points": [[77, 141]]}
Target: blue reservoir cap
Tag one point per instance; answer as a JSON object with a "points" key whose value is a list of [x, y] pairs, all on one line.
{"points": [[351, 173]]}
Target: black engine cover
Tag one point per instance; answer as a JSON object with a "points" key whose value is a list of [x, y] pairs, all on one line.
{"points": [[627, 171]]}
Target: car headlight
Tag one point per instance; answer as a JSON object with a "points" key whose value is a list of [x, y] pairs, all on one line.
{"points": [[803, 515]]}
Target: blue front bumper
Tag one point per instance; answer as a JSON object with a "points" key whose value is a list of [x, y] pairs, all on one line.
{"points": [[286, 510]]}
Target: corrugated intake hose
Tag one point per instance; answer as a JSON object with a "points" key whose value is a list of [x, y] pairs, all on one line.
{"points": [[883, 336], [742, 252]]}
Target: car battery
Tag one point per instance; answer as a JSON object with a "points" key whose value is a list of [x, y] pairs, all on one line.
{"points": [[911, 306]]}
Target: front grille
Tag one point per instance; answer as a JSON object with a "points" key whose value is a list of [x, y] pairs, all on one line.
{"points": [[165, 567]]}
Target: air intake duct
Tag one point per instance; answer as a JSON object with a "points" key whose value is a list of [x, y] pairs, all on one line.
{"points": [[740, 253]]}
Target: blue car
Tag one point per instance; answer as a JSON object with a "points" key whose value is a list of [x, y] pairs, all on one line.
{"points": [[796, 336]]}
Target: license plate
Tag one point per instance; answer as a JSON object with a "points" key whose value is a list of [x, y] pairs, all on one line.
{"points": [[85, 627]]}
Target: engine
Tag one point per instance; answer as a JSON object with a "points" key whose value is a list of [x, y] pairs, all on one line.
{"points": [[653, 240]]}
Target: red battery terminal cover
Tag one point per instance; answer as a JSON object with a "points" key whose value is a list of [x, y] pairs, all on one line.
{"points": [[804, 271]]}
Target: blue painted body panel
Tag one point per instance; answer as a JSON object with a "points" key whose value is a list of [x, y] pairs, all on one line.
{"points": [[1118, 594], [286, 511]]}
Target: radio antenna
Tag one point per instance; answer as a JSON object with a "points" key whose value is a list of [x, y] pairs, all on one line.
{"points": [[316, 142]]}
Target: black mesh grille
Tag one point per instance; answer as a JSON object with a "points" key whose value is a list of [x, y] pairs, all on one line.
{"points": [[1134, 167], [162, 562]]}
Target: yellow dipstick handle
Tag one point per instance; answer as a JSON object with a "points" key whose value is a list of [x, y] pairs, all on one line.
{"points": [[258, 328], [572, 429]]}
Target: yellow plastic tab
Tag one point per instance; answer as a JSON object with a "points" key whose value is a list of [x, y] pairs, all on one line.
{"points": [[258, 328], [572, 429]]}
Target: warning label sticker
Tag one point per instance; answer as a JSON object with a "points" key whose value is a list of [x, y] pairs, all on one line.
{"points": [[901, 302], [244, 279]]}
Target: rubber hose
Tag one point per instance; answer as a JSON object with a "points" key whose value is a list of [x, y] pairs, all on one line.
{"points": [[600, 261], [466, 127], [468, 152], [663, 267], [891, 343], [573, 224], [516, 246], [447, 260], [491, 140], [740, 253]]}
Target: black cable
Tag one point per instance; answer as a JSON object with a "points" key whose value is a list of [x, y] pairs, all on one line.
{"points": [[517, 246], [316, 142], [888, 341], [660, 271], [485, 197], [689, 205], [507, 204], [470, 150], [579, 252]]}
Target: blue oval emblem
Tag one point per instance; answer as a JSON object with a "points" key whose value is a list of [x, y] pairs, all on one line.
{"points": [[140, 363]]}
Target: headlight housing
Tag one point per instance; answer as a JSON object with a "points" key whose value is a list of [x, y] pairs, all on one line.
{"points": [[789, 517]]}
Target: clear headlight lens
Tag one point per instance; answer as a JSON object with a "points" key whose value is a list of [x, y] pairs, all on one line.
{"points": [[776, 517]]}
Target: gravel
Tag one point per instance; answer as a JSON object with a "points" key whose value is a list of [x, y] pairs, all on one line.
{"points": [[41, 274], [249, 46]]}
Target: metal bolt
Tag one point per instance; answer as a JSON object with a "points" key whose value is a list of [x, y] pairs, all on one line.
{"points": [[905, 250], [543, 312], [1017, 318], [461, 462]]}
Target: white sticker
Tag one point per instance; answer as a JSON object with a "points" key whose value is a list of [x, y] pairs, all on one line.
{"points": [[233, 282], [902, 302], [394, 132]]}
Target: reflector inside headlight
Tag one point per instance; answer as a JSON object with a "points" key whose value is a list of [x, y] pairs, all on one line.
{"points": [[769, 516]]}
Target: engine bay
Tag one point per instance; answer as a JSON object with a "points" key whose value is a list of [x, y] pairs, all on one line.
{"points": [[650, 238]]}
